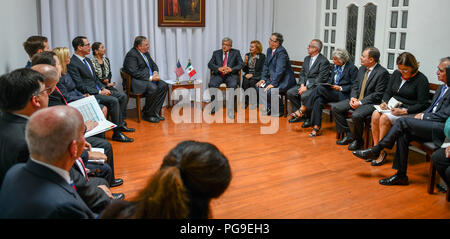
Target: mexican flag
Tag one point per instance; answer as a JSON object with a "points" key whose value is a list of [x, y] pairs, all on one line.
{"points": [[190, 70]]}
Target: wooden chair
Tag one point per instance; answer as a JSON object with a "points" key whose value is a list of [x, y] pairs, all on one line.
{"points": [[127, 88], [432, 181]]}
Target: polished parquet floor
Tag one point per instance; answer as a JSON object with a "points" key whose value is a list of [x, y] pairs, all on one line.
{"points": [[282, 175]]}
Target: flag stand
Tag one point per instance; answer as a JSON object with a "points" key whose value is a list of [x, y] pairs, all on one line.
{"points": [[178, 81], [189, 81]]}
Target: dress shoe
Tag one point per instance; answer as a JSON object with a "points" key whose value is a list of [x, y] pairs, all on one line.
{"points": [[126, 129], [355, 145], [118, 196], [296, 119], [268, 112], [394, 180], [213, 111], [152, 119], [160, 117], [118, 136], [367, 154], [307, 124], [344, 141], [380, 160], [116, 182]]}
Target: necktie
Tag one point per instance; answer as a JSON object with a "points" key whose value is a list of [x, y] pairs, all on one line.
{"points": [[338, 72], [148, 65], [65, 101], [363, 86], [438, 100], [311, 62], [90, 70], [225, 62], [72, 184]]}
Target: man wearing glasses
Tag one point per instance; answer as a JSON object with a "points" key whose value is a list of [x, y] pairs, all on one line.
{"points": [[81, 71]]}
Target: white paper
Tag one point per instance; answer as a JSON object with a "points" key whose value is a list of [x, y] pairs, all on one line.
{"points": [[90, 110], [393, 103]]}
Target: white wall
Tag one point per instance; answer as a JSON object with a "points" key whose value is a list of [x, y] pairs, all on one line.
{"points": [[429, 34], [296, 20], [18, 21]]}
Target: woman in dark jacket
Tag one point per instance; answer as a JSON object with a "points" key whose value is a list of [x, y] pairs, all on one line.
{"points": [[253, 66], [409, 87]]}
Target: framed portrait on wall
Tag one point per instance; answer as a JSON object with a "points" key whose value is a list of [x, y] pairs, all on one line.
{"points": [[181, 13]]}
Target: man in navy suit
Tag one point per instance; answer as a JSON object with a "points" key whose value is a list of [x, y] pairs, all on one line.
{"points": [[145, 79], [277, 73], [225, 65], [42, 187], [426, 126], [81, 71]]}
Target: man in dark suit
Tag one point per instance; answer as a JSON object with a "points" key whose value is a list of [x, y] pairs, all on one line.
{"points": [[34, 45], [146, 79], [81, 71], [277, 73], [371, 82], [225, 65], [316, 69], [427, 126], [42, 188]]}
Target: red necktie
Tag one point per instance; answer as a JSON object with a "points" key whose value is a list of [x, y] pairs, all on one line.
{"points": [[65, 101], [225, 62], [84, 168]]}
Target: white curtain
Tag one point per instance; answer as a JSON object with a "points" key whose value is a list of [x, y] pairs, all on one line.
{"points": [[117, 22]]}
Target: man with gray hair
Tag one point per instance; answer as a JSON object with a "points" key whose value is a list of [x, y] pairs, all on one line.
{"points": [[42, 187], [316, 70], [225, 65]]}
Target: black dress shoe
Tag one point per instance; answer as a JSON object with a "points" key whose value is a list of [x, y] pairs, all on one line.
{"points": [[355, 145], [344, 141], [296, 119], [394, 180], [116, 182], [160, 117], [118, 136], [118, 196], [307, 124], [380, 160], [368, 154], [126, 129], [268, 111], [213, 111], [152, 119]]}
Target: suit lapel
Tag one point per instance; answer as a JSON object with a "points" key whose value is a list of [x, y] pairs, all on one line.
{"points": [[372, 75], [81, 65]]}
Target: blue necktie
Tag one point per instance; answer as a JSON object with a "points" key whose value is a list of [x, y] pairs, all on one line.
{"points": [[89, 68], [338, 72], [146, 61], [438, 99]]}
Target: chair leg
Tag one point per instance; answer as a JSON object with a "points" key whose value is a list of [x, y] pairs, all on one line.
{"points": [[285, 106], [138, 108], [431, 178]]}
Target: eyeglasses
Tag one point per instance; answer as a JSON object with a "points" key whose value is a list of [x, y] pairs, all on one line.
{"points": [[89, 44], [310, 46], [48, 90], [273, 40]]}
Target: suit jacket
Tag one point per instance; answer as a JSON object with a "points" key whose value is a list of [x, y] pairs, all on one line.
{"points": [[234, 61], [86, 81], [261, 58], [414, 94], [318, 73], [277, 69], [34, 191], [348, 78], [13, 147], [135, 65], [375, 86], [68, 88]]}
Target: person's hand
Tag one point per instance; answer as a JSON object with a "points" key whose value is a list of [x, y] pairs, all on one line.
{"points": [[228, 70], [105, 111], [384, 106], [336, 87], [87, 146], [90, 125], [260, 83], [86, 95], [398, 111], [268, 88], [418, 116], [246, 59], [106, 189], [447, 152], [111, 84], [97, 156], [105, 92], [354, 103], [221, 69], [302, 89], [105, 81], [248, 76], [156, 78]]}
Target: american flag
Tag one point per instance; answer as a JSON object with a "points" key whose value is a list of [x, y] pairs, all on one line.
{"points": [[179, 69]]}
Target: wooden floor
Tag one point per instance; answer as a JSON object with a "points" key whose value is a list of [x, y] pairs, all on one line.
{"points": [[283, 175]]}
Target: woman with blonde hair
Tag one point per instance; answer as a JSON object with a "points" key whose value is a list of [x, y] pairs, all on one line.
{"points": [[191, 175], [253, 66]]}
